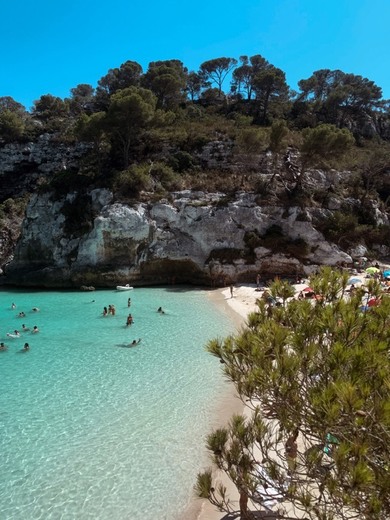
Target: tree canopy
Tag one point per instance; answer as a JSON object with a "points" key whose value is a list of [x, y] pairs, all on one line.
{"points": [[314, 372], [130, 111], [216, 70], [167, 80]]}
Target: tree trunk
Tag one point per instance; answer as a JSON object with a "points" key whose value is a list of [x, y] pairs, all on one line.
{"points": [[244, 513]]}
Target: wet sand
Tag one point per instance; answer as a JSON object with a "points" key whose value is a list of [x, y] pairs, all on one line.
{"points": [[237, 308]]}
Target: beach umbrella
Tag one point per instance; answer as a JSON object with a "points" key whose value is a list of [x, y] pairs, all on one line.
{"points": [[353, 281], [372, 270]]}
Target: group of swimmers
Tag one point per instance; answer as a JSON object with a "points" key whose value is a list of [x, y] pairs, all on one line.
{"points": [[4, 347], [129, 320], [16, 333], [111, 310]]}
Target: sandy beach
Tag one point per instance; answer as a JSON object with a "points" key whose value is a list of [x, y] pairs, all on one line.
{"points": [[237, 307]]}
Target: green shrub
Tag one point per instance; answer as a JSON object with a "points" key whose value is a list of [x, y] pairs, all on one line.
{"points": [[182, 161], [252, 140], [130, 182], [337, 225], [164, 177]]}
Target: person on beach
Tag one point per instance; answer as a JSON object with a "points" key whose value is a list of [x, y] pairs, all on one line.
{"points": [[291, 451], [35, 329], [258, 282], [231, 291]]}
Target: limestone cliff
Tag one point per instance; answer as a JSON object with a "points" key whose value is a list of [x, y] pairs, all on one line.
{"points": [[92, 238], [195, 238]]}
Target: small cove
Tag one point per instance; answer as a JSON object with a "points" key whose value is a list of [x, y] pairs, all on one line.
{"points": [[90, 428]]}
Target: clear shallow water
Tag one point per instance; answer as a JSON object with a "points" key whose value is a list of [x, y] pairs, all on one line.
{"points": [[91, 429]]}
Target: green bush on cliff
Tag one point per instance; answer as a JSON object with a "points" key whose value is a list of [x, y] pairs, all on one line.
{"points": [[130, 182]]}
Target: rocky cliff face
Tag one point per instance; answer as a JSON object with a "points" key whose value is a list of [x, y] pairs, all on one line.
{"points": [[195, 238], [22, 164], [91, 239]]}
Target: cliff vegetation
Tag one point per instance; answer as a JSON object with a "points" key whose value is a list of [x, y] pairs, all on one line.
{"points": [[233, 126]]}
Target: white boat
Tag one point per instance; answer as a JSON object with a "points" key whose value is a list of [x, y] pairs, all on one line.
{"points": [[126, 287]]}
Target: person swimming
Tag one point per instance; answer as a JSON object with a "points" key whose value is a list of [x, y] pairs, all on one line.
{"points": [[26, 346], [160, 310], [3, 347], [15, 334], [35, 329], [35, 309], [135, 342], [24, 328]]}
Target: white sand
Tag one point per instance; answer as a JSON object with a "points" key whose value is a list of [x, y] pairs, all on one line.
{"points": [[238, 307]]}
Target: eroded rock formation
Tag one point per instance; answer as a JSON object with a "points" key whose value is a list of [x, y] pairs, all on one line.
{"points": [[196, 238]]}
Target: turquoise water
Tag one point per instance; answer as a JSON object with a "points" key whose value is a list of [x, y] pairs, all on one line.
{"points": [[92, 429]]}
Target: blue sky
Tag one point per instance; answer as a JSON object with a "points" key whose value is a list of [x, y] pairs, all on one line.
{"points": [[50, 46]]}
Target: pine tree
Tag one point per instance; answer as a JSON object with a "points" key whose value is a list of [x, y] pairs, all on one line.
{"points": [[315, 372]]}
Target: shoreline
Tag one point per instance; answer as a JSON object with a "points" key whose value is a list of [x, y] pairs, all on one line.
{"points": [[237, 309]]}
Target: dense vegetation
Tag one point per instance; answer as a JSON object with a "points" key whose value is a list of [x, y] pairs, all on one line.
{"points": [[315, 372], [146, 131]]}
